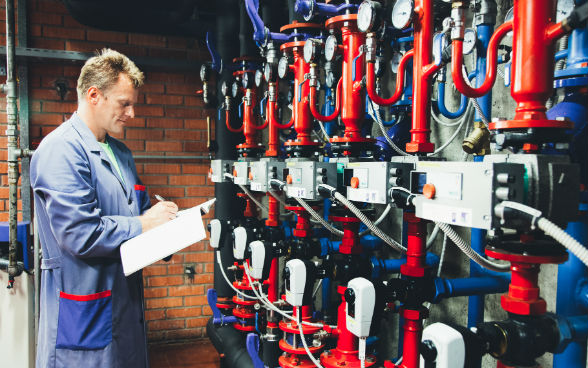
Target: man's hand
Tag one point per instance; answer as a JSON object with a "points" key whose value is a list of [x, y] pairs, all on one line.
{"points": [[159, 214]]}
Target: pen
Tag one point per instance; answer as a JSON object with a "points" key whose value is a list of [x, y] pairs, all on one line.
{"points": [[159, 198]]}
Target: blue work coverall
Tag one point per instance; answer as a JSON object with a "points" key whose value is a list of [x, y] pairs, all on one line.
{"points": [[91, 314]]}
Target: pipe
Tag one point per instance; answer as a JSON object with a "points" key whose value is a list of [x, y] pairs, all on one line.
{"points": [[463, 104], [447, 288], [382, 267], [313, 109], [398, 90]]}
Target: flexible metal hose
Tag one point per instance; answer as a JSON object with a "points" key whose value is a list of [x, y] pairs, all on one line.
{"points": [[563, 238]]}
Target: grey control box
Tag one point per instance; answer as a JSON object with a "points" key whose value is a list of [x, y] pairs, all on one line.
{"points": [[465, 193], [218, 169], [241, 172], [262, 171], [303, 177], [370, 182]]}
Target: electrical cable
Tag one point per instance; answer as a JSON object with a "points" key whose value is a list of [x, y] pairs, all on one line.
{"points": [[432, 237], [468, 251], [563, 238], [455, 133], [375, 115], [250, 195], [318, 217], [442, 256], [318, 285], [363, 218], [220, 263], [378, 220], [299, 322]]}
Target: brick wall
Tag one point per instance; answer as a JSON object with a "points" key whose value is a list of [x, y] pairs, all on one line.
{"points": [[170, 120]]}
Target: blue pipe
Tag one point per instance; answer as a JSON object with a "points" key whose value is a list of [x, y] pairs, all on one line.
{"points": [[447, 288], [260, 31], [463, 104], [310, 8], [380, 267]]}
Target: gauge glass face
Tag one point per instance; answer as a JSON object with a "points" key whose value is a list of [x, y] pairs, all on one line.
{"points": [[309, 50], [365, 16], [268, 72], [330, 79], [204, 72], [282, 67], [395, 61], [402, 13], [564, 8], [258, 78], [225, 89], [469, 41], [234, 89], [330, 47], [245, 82]]}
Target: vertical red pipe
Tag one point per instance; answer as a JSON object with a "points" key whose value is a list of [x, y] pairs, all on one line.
{"points": [[416, 247], [423, 45], [353, 99], [413, 330], [532, 56], [249, 130], [273, 141], [301, 109], [272, 291]]}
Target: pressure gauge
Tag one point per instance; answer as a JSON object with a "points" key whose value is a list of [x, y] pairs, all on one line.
{"points": [[234, 89], [225, 88], [268, 72], [204, 72], [330, 47], [310, 50], [564, 8], [379, 66], [283, 66], [469, 41], [402, 13], [395, 61], [246, 80], [330, 79], [367, 15], [258, 78]]}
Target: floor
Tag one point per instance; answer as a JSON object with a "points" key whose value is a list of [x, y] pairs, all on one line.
{"points": [[196, 354]]}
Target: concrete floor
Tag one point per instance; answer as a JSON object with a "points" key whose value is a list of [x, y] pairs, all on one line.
{"points": [[195, 354]]}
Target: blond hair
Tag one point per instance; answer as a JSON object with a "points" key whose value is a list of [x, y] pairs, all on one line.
{"points": [[103, 70]]}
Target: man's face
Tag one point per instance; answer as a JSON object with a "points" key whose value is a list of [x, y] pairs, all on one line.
{"points": [[117, 105]]}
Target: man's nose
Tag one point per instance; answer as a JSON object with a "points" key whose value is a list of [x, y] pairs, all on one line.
{"points": [[130, 111]]}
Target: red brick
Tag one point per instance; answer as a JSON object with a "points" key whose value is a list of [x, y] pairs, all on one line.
{"points": [[154, 179], [195, 146], [194, 101], [181, 89], [198, 247], [135, 123], [66, 107], [187, 334], [164, 302], [196, 322], [145, 134], [147, 110], [152, 87], [199, 257], [205, 278], [186, 180], [155, 292], [195, 124], [177, 42], [162, 168], [155, 270], [164, 146], [51, 6], [43, 43], [184, 312], [135, 146], [186, 290], [83, 46], [46, 119], [206, 311], [200, 191], [195, 168], [157, 335], [168, 192], [146, 40], [165, 280], [195, 300], [47, 129], [152, 315], [164, 99], [164, 123], [166, 77], [106, 36], [183, 134], [63, 32], [45, 18], [166, 325], [175, 269], [35, 30]]}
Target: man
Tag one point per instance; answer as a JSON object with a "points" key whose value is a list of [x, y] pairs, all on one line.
{"points": [[88, 200]]}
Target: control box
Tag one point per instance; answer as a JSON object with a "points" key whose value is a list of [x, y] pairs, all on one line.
{"points": [[295, 282], [303, 177], [218, 169], [241, 172], [465, 193], [260, 172], [370, 182], [360, 297]]}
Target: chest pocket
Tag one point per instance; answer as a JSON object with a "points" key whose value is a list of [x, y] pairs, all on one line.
{"points": [[110, 194]]}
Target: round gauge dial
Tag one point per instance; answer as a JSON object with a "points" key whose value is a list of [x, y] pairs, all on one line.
{"points": [[366, 15], [283, 67], [469, 41], [258, 78], [225, 88], [246, 81], [204, 72], [310, 50], [268, 72], [402, 13], [330, 79], [234, 89], [330, 47], [564, 8], [395, 61]]}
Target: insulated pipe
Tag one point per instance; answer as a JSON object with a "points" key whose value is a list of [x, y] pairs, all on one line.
{"points": [[492, 59]]}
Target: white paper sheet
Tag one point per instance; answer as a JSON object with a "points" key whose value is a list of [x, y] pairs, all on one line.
{"points": [[164, 240]]}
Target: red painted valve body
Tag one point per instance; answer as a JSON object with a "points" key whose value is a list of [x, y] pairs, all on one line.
{"points": [[296, 356]]}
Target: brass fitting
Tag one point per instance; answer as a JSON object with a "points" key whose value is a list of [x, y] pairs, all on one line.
{"points": [[478, 141]]}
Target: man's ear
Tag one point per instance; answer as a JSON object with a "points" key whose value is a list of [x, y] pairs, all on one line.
{"points": [[93, 95]]}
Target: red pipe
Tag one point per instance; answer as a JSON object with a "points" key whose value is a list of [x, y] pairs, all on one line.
{"points": [[492, 61], [413, 330], [416, 246], [249, 129], [353, 95], [274, 281], [317, 115], [273, 142], [421, 87], [399, 89], [228, 123]]}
